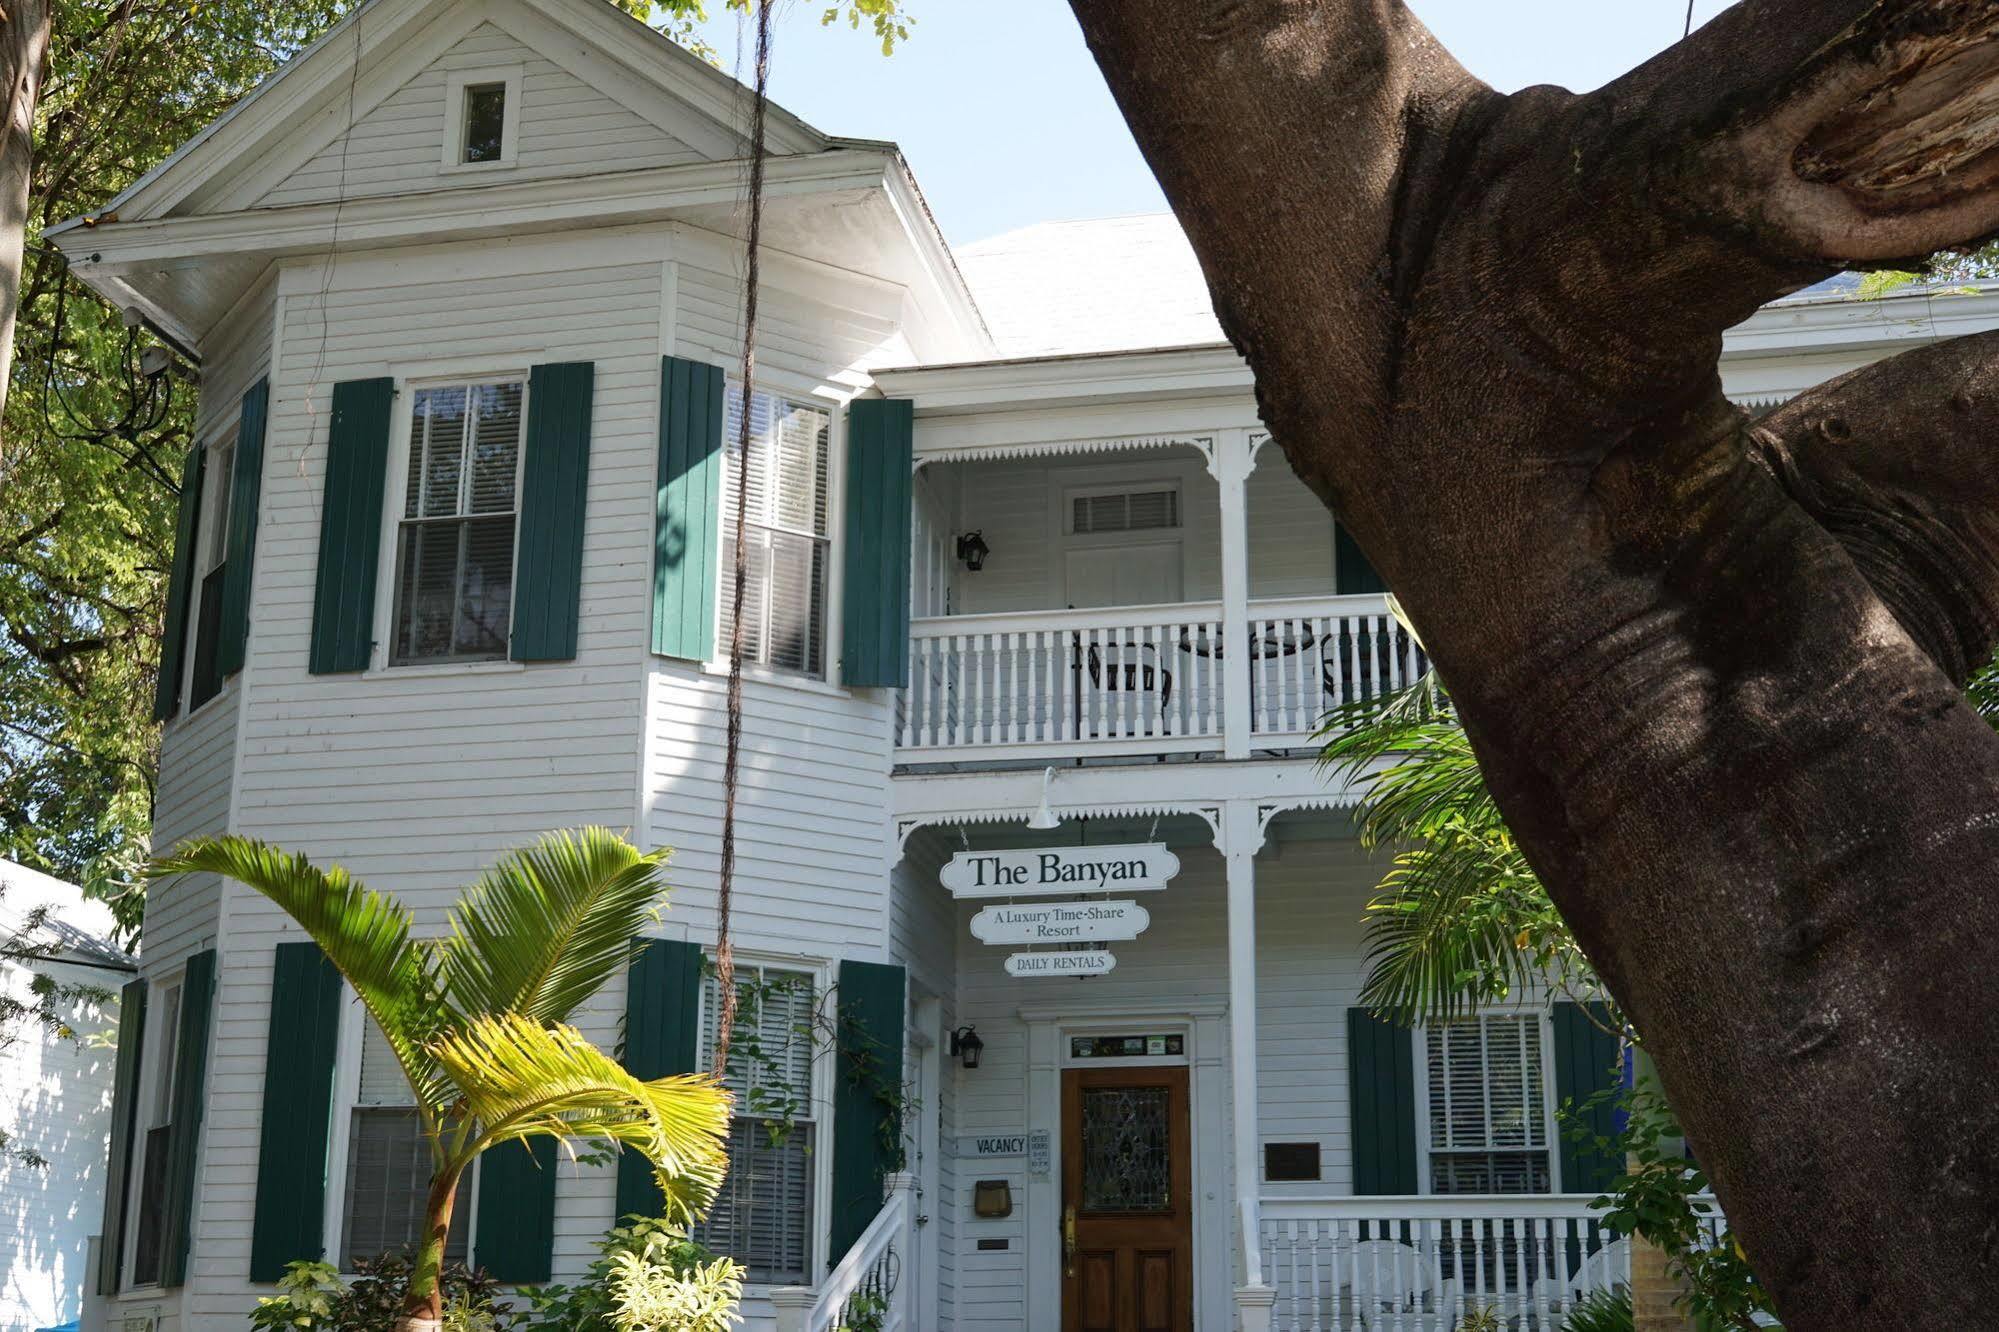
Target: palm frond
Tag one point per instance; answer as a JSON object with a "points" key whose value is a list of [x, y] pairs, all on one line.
{"points": [[1459, 920], [520, 1079], [547, 926], [365, 934]]}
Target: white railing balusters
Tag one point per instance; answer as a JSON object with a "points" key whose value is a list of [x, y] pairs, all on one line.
{"points": [[1139, 679], [1425, 1264]]}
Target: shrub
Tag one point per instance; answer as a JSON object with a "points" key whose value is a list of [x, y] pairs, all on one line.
{"points": [[650, 1277], [312, 1298]]}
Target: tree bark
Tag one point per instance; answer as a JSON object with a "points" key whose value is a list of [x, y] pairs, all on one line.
{"points": [[1711, 671], [24, 48]]}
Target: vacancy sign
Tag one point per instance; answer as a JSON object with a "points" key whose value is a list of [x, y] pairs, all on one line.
{"points": [[1060, 922], [1044, 871]]}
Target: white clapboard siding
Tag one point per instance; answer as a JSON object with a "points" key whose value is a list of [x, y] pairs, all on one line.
{"points": [[567, 128], [418, 781]]}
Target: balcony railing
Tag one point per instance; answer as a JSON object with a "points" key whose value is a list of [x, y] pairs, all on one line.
{"points": [[1144, 679], [1431, 1264]]}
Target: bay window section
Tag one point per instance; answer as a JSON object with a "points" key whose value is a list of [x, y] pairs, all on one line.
{"points": [[763, 1216], [787, 543], [455, 537], [1487, 1108]]}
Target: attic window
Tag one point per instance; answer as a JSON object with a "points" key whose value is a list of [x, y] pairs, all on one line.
{"points": [[485, 122], [482, 118]]}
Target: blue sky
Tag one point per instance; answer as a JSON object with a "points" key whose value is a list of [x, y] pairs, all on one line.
{"points": [[1007, 122]]}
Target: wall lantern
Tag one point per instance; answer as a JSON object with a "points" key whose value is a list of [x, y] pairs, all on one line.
{"points": [[965, 1044], [972, 549]]}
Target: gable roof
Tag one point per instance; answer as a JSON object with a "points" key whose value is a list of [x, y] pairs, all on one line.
{"points": [[368, 55]]}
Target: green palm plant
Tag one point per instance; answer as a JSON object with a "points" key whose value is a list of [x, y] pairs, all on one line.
{"points": [[479, 1019], [1460, 918]]}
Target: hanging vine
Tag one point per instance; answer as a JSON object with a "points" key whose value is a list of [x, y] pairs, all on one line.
{"points": [[725, 962]]}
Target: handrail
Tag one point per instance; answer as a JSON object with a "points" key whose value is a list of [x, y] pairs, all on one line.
{"points": [[1455, 1206], [1088, 617], [851, 1275], [1251, 1242]]}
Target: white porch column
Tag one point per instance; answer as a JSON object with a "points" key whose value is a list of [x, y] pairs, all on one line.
{"points": [[1242, 837], [1232, 465]]}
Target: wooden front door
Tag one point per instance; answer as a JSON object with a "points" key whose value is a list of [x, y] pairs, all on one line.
{"points": [[1127, 1201]]}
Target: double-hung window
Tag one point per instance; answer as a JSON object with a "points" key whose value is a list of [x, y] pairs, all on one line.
{"points": [[763, 1216], [1487, 1109], [388, 1164], [156, 1142], [211, 569], [787, 543], [455, 538]]}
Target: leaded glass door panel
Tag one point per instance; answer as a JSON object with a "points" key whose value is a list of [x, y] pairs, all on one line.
{"points": [[1127, 1260]]}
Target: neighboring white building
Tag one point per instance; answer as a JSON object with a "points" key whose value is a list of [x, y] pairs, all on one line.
{"points": [[506, 231], [55, 1098]]}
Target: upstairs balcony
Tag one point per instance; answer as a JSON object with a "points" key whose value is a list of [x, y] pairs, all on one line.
{"points": [[1178, 679], [1174, 600]]}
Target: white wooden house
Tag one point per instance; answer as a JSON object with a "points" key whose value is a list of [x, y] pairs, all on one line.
{"points": [[55, 1093], [463, 283]]}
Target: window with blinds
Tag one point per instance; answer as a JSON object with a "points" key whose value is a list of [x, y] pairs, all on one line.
{"points": [[455, 539], [156, 1147], [1487, 1110], [763, 1216], [1147, 510], [205, 679], [388, 1165], [787, 542]]}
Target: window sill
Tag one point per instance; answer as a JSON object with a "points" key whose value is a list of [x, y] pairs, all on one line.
{"points": [[228, 690], [473, 168], [429, 670], [755, 674]]}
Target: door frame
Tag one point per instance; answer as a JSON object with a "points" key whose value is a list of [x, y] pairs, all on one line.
{"points": [[1203, 1024]]}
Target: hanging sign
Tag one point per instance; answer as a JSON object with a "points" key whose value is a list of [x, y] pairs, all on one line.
{"points": [[1082, 962], [1060, 922], [1040, 871]]}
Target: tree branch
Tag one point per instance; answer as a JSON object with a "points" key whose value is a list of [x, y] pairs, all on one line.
{"points": [[1895, 460], [1843, 132]]}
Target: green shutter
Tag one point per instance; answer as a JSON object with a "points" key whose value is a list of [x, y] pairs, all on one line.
{"points": [[516, 1230], [245, 489], [662, 1039], [180, 587], [548, 565], [874, 621], [1587, 1060], [124, 1118], [1381, 1076], [350, 527], [687, 509], [197, 1001], [867, 1130], [1353, 576], [299, 1056]]}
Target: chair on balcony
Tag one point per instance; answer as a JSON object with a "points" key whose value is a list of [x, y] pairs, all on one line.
{"points": [[1398, 1282], [1608, 1268], [1137, 671]]}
